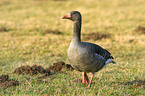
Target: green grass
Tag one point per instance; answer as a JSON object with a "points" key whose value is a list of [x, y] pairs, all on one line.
{"points": [[25, 43]]}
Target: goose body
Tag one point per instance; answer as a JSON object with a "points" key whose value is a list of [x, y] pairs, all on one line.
{"points": [[84, 56]]}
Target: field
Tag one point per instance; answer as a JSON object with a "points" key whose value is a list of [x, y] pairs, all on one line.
{"points": [[33, 33]]}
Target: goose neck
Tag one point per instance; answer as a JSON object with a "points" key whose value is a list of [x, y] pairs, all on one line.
{"points": [[77, 30]]}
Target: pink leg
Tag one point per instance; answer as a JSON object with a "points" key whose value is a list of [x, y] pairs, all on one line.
{"points": [[92, 75], [85, 78]]}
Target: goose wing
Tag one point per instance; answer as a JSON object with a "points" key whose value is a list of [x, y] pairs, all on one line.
{"points": [[99, 50], [103, 52]]}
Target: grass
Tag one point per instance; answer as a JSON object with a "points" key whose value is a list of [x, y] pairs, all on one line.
{"points": [[25, 43]]}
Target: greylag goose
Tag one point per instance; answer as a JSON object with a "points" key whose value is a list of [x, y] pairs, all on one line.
{"points": [[84, 56]]}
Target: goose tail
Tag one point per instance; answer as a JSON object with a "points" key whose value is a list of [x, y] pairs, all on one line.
{"points": [[110, 61]]}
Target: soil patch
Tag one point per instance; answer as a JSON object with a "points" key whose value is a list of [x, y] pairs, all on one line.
{"points": [[3, 29], [34, 70], [57, 32], [96, 36], [136, 83], [57, 67], [140, 30], [46, 74], [5, 82]]}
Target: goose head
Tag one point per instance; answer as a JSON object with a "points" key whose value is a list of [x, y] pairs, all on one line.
{"points": [[73, 15]]}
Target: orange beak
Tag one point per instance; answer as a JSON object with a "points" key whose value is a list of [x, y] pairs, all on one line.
{"points": [[68, 16]]}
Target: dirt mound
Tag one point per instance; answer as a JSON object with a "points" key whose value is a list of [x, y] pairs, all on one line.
{"points": [[34, 70], [136, 83], [57, 67], [57, 32], [46, 74], [3, 29], [140, 30], [96, 36], [5, 82]]}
